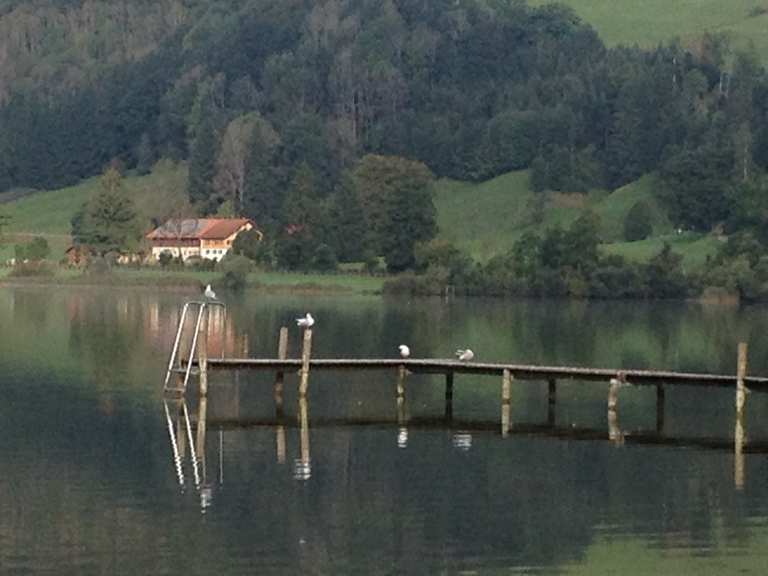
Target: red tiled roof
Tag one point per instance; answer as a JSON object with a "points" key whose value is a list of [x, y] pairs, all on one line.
{"points": [[198, 229]]}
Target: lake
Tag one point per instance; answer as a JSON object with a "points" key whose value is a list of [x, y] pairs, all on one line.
{"points": [[99, 476]]}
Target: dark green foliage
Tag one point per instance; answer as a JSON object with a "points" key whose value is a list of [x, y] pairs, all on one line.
{"points": [[665, 275], [294, 250], [251, 245], [34, 251], [410, 218], [165, 258], [697, 181], [408, 90], [236, 269], [202, 167], [5, 220], [324, 259], [638, 223], [108, 222], [351, 234]]}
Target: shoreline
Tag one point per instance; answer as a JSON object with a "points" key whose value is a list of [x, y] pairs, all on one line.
{"points": [[267, 282]]}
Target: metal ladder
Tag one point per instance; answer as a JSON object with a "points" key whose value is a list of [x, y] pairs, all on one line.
{"points": [[180, 369]]}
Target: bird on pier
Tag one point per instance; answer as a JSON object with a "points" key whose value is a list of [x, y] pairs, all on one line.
{"points": [[465, 355], [305, 322], [209, 293], [405, 352]]}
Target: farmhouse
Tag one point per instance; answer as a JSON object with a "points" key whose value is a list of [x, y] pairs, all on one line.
{"points": [[209, 238]]}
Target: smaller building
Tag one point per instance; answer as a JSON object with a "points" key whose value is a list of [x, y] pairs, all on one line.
{"points": [[205, 238]]}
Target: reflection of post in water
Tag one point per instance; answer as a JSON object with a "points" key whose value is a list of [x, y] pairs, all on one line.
{"points": [[449, 395], [402, 417], [551, 401], [506, 401], [738, 453], [660, 408], [202, 414], [280, 443], [303, 465]]}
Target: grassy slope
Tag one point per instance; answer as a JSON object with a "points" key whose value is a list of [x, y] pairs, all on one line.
{"points": [[650, 22], [49, 213], [487, 218], [482, 219]]}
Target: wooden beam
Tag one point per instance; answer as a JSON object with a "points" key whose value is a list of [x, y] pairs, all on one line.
{"points": [[519, 372]]}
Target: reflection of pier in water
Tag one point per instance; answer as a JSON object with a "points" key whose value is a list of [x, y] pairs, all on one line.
{"points": [[188, 429]]}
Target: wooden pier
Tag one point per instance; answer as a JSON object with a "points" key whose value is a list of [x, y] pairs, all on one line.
{"points": [[199, 362]]}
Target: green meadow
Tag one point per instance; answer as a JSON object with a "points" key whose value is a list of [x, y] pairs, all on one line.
{"points": [[481, 219], [49, 213], [648, 23], [486, 219]]}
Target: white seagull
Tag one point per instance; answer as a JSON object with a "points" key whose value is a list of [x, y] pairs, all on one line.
{"points": [[209, 293], [465, 355], [405, 352], [305, 322]]}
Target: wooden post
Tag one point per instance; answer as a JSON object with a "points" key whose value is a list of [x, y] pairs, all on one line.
{"points": [[506, 401], [552, 401], [613, 395], [202, 353], [660, 407], [739, 433], [449, 395], [401, 374], [306, 353], [282, 354], [741, 373]]}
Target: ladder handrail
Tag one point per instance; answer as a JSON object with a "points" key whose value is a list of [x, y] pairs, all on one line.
{"points": [[176, 342], [194, 344], [203, 305]]}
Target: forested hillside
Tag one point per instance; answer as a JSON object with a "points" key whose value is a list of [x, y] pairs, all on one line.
{"points": [[329, 119]]}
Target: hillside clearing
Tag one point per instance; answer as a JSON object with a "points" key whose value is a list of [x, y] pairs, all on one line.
{"points": [[49, 213], [648, 23]]}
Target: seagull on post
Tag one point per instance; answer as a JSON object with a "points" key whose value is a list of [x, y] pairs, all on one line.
{"points": [[405, 352], [209, 293], [465, 355], [305, 322]]}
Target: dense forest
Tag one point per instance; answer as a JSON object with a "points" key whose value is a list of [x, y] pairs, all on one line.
{"points": [[326, 121]]}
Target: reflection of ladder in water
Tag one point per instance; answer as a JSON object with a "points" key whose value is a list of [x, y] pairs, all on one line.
{"points": [[176, 364]]}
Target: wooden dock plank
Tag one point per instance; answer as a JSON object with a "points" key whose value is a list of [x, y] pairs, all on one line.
{"points": [[518, 371]]}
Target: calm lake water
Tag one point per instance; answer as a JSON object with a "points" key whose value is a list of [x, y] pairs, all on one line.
{"points": [[89, 483]]}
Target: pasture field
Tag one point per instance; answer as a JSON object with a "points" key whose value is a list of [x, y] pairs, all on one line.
{"points": [[648, 23]]}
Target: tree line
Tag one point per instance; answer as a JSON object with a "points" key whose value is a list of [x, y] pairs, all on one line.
{"points": [[324, 120]]}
